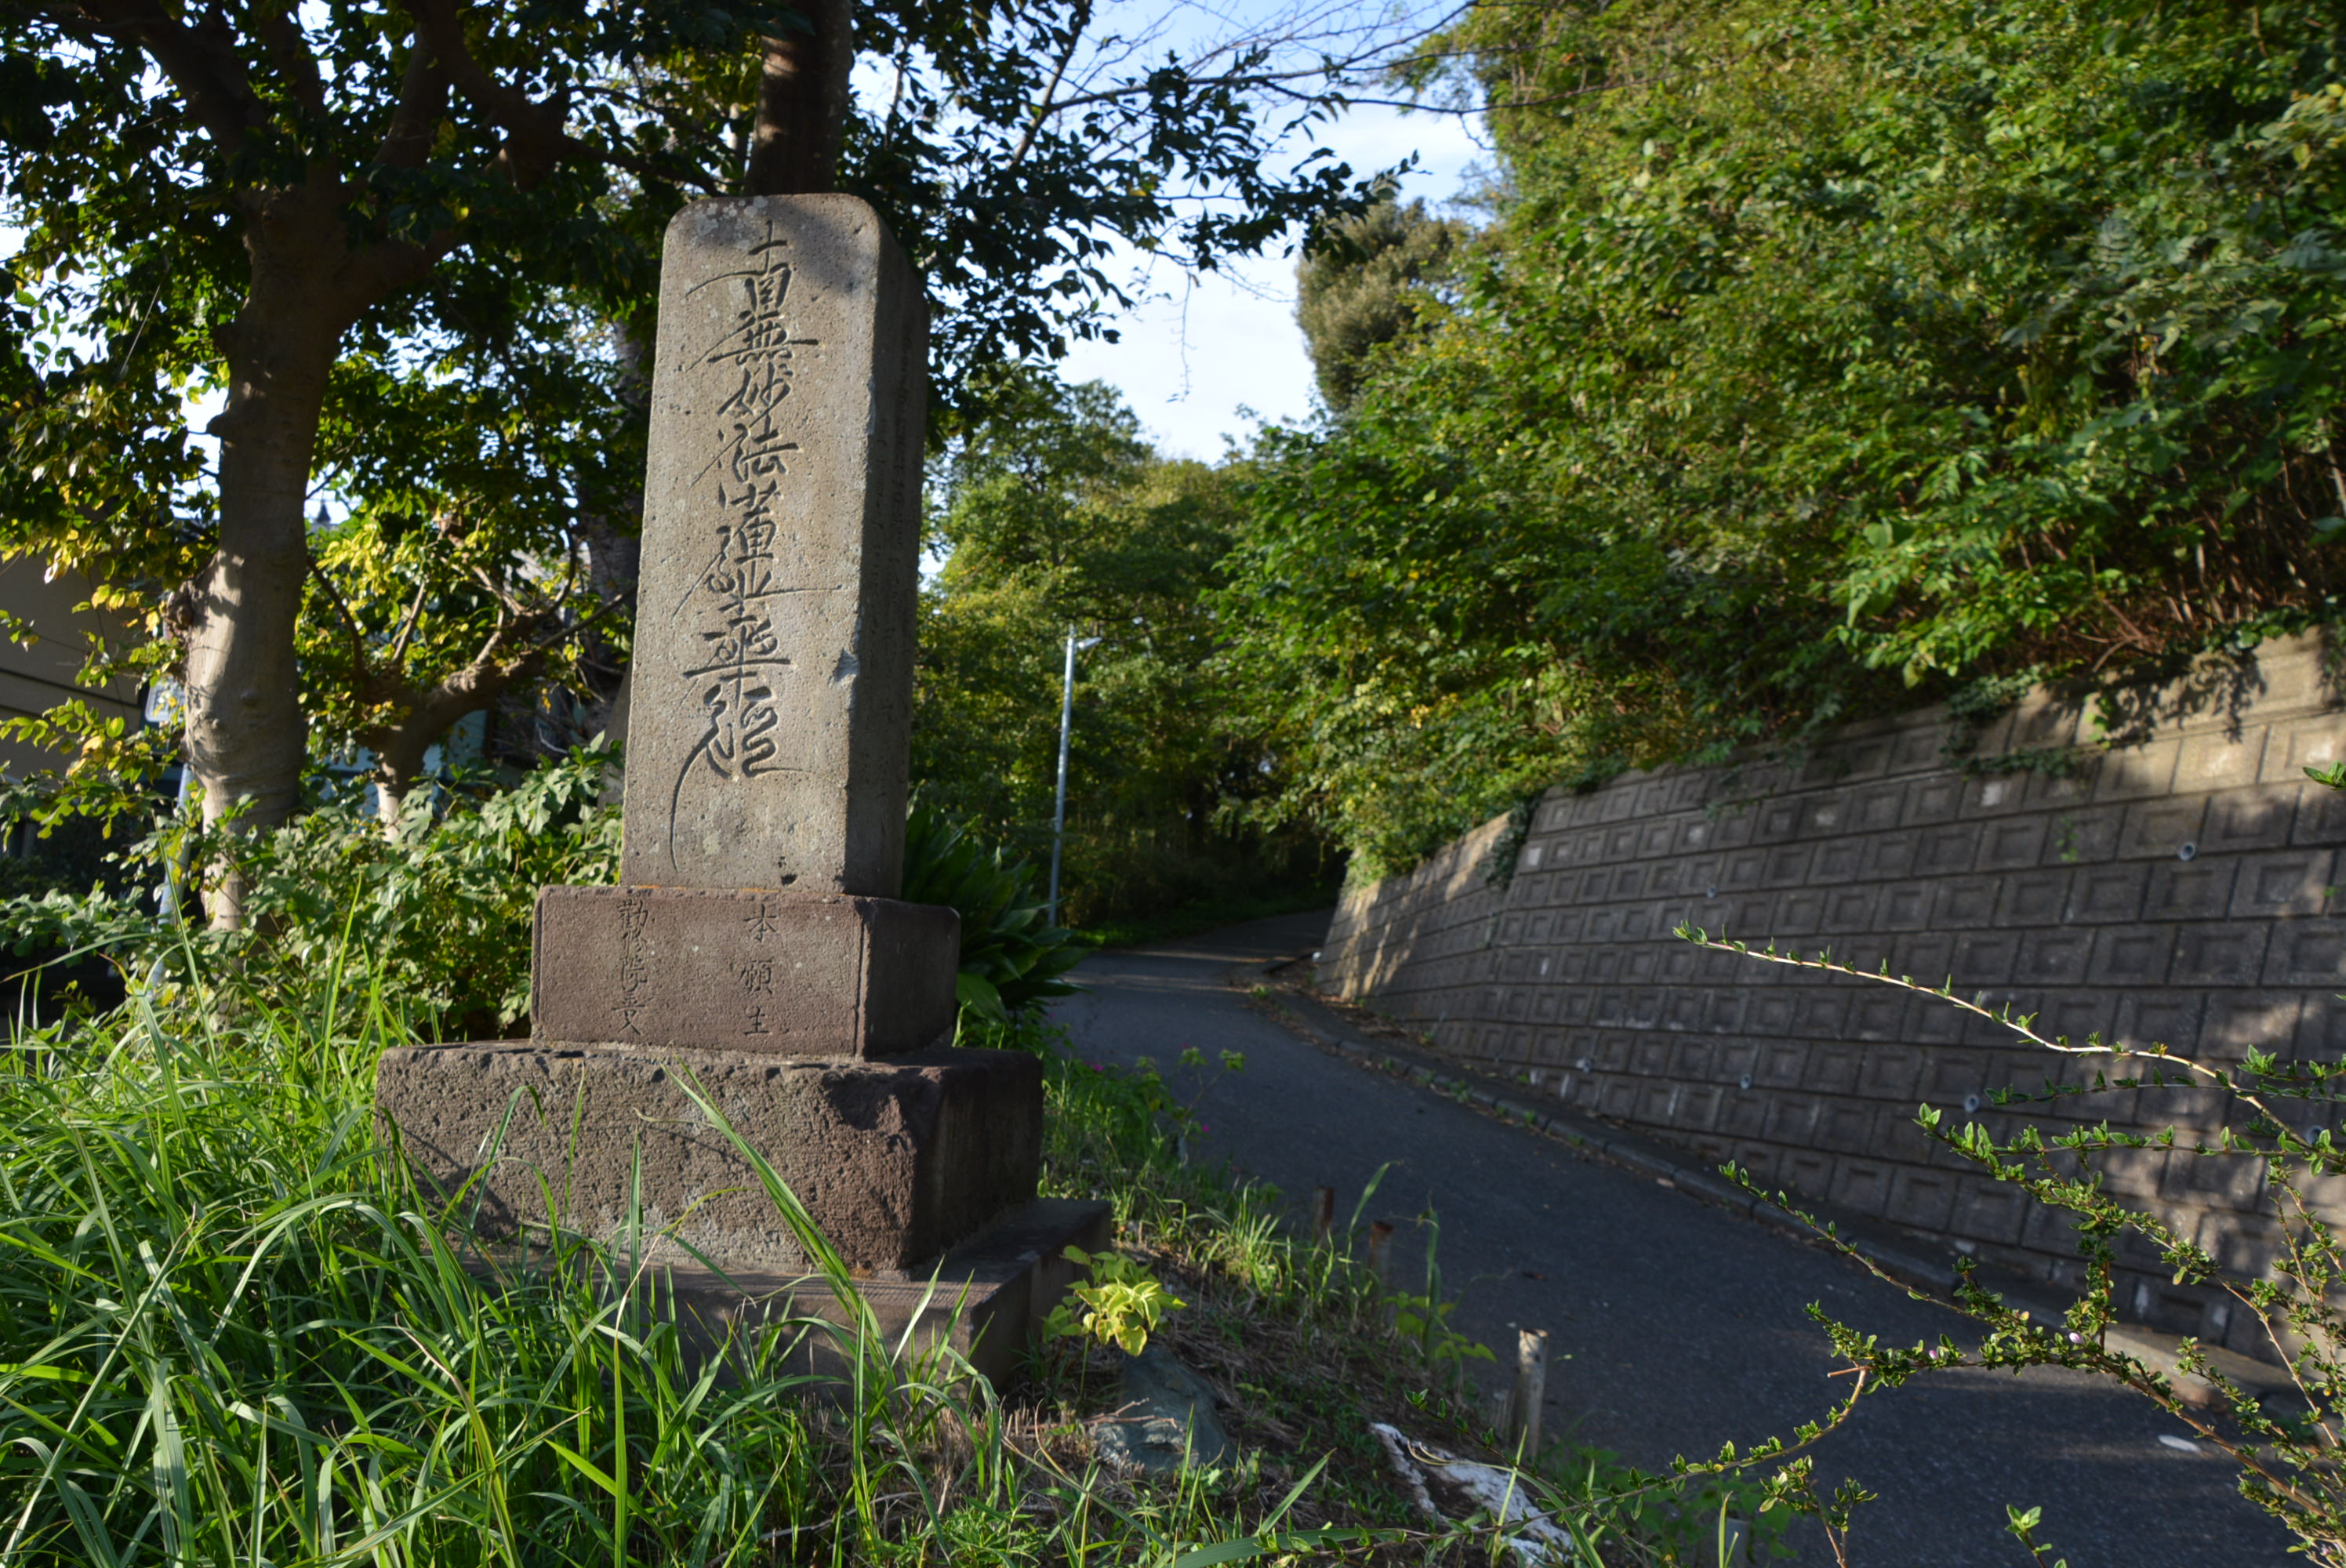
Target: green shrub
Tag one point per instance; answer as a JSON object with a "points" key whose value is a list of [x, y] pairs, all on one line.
{"points": [[1012, 954], [1119, 1303], [443, 906]]}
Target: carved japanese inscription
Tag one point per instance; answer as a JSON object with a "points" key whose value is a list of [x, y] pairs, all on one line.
{"points": [[739, 679], [713, 969], [635, 969], [768, 742], [758, 974]]}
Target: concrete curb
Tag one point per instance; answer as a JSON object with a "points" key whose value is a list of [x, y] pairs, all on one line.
{"points": [[1896, 1258]]}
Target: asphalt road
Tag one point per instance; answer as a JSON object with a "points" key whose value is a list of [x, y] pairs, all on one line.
{"points": [[1674, 1326]]}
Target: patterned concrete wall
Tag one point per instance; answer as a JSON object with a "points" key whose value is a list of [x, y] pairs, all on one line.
{"points": [[2178, 888]]}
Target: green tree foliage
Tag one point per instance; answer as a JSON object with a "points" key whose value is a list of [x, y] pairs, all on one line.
{"points": [[1052, 512], [411, 247], [437, 910], [484, 550], [1367, 279], [1826, 359], [327, 218]]}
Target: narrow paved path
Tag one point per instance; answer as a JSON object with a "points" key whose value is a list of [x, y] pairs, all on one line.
{"points": [[1675, 1326]]}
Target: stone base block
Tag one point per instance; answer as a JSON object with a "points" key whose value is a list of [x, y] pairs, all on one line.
{"points": [[896, 1161], [779, 973], [987, 1298]]}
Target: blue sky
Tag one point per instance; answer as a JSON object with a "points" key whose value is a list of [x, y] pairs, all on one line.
{"points": [[1195, 353]]}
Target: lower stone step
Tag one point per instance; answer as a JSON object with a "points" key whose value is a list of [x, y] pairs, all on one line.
{"points": [[987, 1298], [897, 1161]]}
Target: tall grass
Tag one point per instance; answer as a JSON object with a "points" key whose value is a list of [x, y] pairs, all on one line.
{"points": [[233, 1331]]}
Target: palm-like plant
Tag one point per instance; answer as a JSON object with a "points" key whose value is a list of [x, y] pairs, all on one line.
{"points": [[1012, 953]]}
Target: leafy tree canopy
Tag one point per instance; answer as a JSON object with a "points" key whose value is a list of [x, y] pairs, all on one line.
{"points": [[1823, 360], [1369, 279], [410, 249], [1054, 514]]}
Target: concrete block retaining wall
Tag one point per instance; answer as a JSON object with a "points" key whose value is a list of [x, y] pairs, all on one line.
{"points": [[2181, 887]]}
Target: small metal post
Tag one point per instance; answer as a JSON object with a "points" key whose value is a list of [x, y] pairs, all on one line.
{"points": [[1323, 1215], [175, 871], [1381, 1234], [1530, 1393], [1059, 811]]}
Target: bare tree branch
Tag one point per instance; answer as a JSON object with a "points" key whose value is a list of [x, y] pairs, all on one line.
{"points": [[350, 622], [407, 624], [207, 72], [422, 101], [1059, 73], [534, 139], [280, 34]]}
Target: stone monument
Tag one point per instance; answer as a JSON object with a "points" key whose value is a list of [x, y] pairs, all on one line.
{"points": [[756, 941]]}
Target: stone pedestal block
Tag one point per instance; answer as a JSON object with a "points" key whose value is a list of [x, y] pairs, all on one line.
{"points": [[767, 973], [987, 1297], [896, 1161]]}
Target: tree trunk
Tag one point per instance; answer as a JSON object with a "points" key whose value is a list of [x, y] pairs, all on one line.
{"points": [[425, 714], [246, 737], [401, 746], [803, 103], [399, 753]]}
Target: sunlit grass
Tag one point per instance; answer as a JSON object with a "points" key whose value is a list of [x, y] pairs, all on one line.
{"points": [[233, 1331]]}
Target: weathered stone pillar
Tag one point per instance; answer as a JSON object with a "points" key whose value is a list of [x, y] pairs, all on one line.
{"points": [[756, 943]]}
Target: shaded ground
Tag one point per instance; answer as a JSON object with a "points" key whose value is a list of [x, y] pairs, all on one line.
{"points": [[1675, 1327]]}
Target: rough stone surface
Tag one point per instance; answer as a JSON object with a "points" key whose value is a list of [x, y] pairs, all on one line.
{"points": [[756, 971], [987, 1298], [2179, 887], [896, 1161], [1166, 1421], [769, 715]]}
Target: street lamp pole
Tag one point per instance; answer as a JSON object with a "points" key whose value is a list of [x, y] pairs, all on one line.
{"points": [[1059, 812]]}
